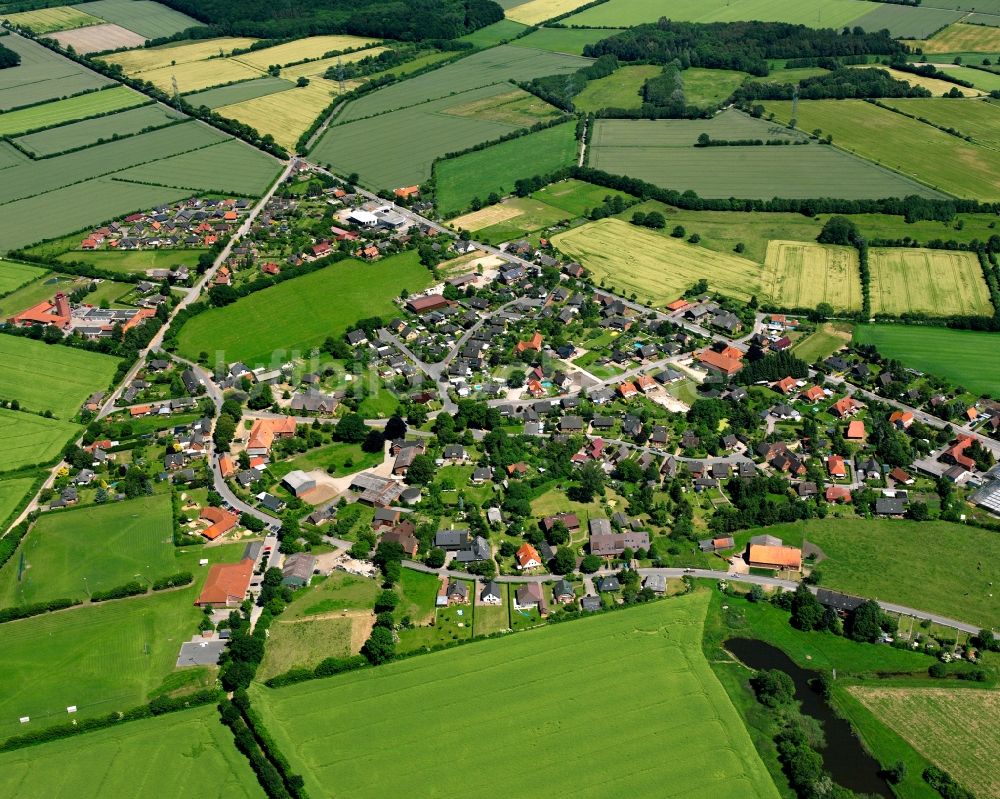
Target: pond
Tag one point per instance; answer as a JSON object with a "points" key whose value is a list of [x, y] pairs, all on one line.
{"points": [[844, 756]]}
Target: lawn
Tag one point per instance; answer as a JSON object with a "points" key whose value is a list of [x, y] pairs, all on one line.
{"points": [[491, 619], [13, 275], [76, 552], [179, 754], [934, 282], [905, 145], [962, 38], [966, 358], [705, 87], [418, 591], [826, 340], [49, 377], [334, 455], [656, 267], [803, 274], [11, 493], [621, 89], [496, 168], [662, 152], [338, 295], [575, 197], [947, 726], [901, 561], [27, 440], [544, 688]]}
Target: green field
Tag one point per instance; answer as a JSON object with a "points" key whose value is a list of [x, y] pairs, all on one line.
{"points": [[621, 89], [57, 18], [13, 275], [11, 493], [905, 145], [49, 377], [901, 561], [91, 131], [514, 217], [543, 687], [976, 118], [129, 261], [575, 197], [60, 111], [145, 17], [73, 553], [980, 78], [662, 152], [496, 168], [655, 267], [915, 21], [934, 282], [963, 357], [26, 439], [338, 295], [496, 65], [821, 344], [42, 75], [625, 13], [710, 86], [503, 30], [238, 92], [563, 40]]}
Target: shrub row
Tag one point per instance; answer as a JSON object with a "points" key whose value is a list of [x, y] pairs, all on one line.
{"points": [[267, 774], [133, 588], [326, 668], [267, 744], [173, 581], [37, 609]]}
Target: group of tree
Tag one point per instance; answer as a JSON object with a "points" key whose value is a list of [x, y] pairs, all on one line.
{"points": [[8, 58], [770, 368], [559, 90], [839, 84]]}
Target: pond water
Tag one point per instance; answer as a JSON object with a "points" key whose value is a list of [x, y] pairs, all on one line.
{"points": [[844, 756]]}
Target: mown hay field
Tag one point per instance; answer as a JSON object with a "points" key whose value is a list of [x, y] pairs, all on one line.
{"points": [[496, 169], [963, 357], [179, 754], [980, 78], [42, 75], [934, 282], [654, 266], [901, 144], [72, 108], [27, 439], [936, 86], [57, 18], [978, 119], [91, 131], [802, 275], [46, 378], [543, 687], [98, 38], [962, 38], [953, 728], [710, 86], [137, 61], [73, 553], [339, 296], [13, 275], [147, 18], [535, 11], [576, 197]]}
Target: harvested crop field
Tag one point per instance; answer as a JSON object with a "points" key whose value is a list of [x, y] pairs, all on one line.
{"points": [[145, 17], [535, 11], [301, 49], [936, 86], [655, 266], [953, 728], [57, 18], [662, 152], [147, 59], [98, 38], [543, 686], [934, 282], [802, 275], [904, 145], [194, 76], [168, 755], [73, 108], [962, 38], [92, 131]]}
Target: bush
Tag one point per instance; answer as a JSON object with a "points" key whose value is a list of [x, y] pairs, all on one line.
{"points": [[173, 581], [134, 588], [773, 687]]}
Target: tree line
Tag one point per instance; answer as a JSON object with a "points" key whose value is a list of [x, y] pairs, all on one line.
{"points": [[840, 84]]}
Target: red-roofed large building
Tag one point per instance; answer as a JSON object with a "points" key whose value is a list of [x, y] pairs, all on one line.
{"points": [[226, 585], [426, 304], [719, 362], [956, 453], [533, 344], [54, 312], [264, 431], [222, 521], [779, 558]]}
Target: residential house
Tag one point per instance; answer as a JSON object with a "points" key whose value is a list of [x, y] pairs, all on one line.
{"points": [[527, 557]]}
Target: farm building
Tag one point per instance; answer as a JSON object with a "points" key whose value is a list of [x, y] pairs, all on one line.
{"points": [[774, 556], [298, 482], [297, 570], [221, 522]]}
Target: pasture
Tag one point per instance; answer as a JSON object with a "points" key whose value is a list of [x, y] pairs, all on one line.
{"points": [[662, 152], [231, 166], [98, 38], [950, 727], [621, 89], [238, 92], [12, 491], [329, 729], [130, 261], [705, 87], [961, 38], [975, 118], [57, 18], [399, 148], [59, 112], [338, 296], [496, 65], [804, 274], [27, 440], [934, 282], [536, 11], [964, 357], [94, 131], [42, 75], [13, 275], [73, 553], [302, 49], [138, 61], [896, 560], [496, 168], [655, 267], [286, 115], [49, 377], [563, 40], [145, 17], [168, 756], [513, 217], [576, 197], [494, 34], [904, 145]]}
